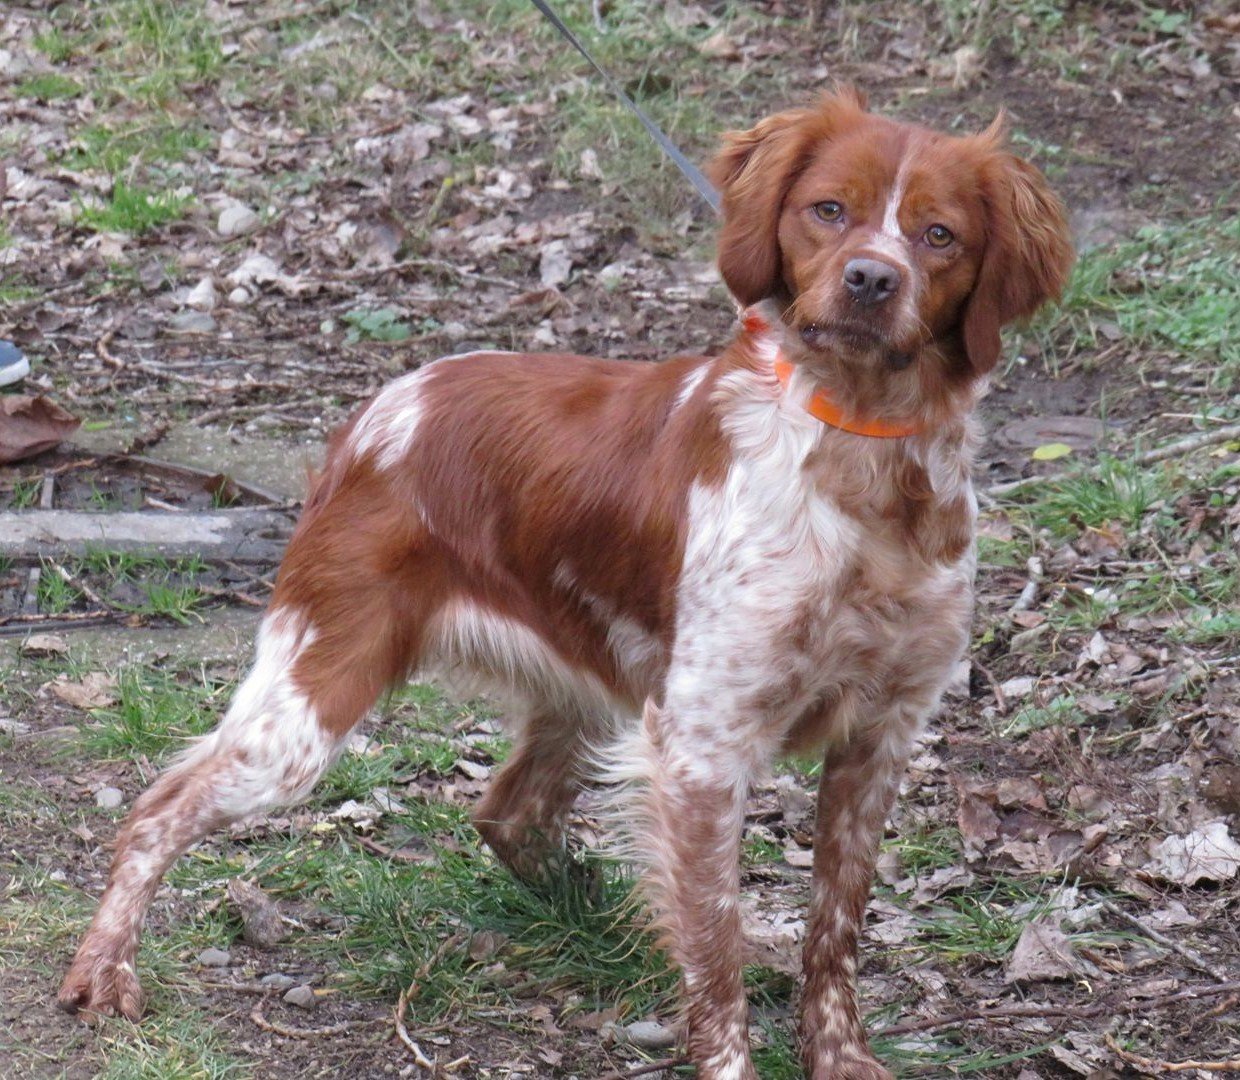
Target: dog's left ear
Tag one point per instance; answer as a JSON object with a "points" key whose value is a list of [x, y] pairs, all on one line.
{"points": [[1029, 253], [754, 171]]}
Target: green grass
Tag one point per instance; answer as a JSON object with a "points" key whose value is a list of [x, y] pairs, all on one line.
{"points": [[173, 1047], [50, 86], [25, 494], [1061, 711], [980, 926], [122, 149], [925, 849], [1172, 288], [1116, 491], [133, 209], [55, 595], [156, 712]]}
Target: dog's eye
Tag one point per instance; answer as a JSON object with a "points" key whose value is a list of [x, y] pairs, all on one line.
{"points": [[828, 211], [939, 236]]}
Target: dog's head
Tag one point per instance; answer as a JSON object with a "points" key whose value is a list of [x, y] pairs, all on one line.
{"points": [[889, 247]]}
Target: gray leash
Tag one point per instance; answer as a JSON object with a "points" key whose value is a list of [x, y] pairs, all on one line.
{"points": [[691, 171]]}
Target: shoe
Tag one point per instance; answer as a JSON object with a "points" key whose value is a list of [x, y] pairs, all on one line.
{"points": [[13, 365]]}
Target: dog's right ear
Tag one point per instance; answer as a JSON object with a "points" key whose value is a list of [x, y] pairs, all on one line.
{"points": [[754, 171]]}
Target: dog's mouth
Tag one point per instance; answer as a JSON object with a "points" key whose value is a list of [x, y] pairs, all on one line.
{"points": [[855, 338]]}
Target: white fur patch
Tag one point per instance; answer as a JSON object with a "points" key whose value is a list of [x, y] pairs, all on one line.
{"points": [[390, 423], [691, 382], [270, 740], [637, 653], [466, 637], [758, 545]]}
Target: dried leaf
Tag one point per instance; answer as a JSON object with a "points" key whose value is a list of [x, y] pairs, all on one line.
{"points": [[1043, 954], [1205, 854], [30, 425], [96, 690]]}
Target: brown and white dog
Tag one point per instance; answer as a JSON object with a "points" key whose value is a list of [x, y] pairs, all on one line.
{"points": [[701, 564]]}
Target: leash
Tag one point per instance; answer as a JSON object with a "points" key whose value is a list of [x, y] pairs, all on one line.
{"points": [[692, 173]]}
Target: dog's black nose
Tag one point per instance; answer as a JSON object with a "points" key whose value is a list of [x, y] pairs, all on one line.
{"points": [[871, 281]]}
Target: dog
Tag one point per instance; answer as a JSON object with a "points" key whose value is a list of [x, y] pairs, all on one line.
{"points": [[699, 565]]}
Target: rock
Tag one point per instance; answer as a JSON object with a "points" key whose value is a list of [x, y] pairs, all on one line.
{"points": [[237, 220], [215, 958], [239, 297], [109, 798], [44, 645], [13, 728], [261, 924], [202, 297], [192, 322], [301, 996], [555, 264], [278, 981], [649, 1035]]}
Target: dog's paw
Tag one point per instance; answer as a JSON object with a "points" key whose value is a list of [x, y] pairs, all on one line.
{"points": [[101, 984], [835, 1066]]}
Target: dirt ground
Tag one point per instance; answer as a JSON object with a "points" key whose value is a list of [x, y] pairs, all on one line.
{"points": [[226, 224]]}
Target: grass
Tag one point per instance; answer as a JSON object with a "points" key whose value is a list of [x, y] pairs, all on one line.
{"points": [[155, 714], [50, 86], [1171, 288], [133, 209], [167, 587]]}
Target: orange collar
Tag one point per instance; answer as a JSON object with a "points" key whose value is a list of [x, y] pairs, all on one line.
{"points": [[823, 408]]}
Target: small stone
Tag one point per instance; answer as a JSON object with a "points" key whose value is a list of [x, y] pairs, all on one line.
{"points": [[192, 322], [650, 1035], [240, 297], [278, 981], [44, 645], [109, 798], [215, 958], [237, 220], [202, 297], [13, 728], [301, 996]]}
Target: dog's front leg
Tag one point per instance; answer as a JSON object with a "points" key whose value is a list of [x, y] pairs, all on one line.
{"points": [[858, 786], [694, 800]]}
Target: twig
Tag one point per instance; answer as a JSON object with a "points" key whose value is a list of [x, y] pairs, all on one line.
{"points": [[1149, 457], [260, 1021], [363, 272], [1183, 950], [648, 1068], [1036, 572], [69, 620], [386, 852], [1158, 1065], [402, 1033], [407, 995], [1011, 1012], [74, 583], [1001, 701]]}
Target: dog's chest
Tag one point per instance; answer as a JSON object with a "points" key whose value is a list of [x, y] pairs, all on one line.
{"points": [[786, 598]]}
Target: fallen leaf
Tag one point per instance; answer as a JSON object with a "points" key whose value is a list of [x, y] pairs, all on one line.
{"points": [[1205, 854], [30, 425], [1042, 954], [1051, 451], [97, 690]]}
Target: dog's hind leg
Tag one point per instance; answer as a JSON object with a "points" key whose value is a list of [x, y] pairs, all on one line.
{"points": [[332, 642], [522, 816]]}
